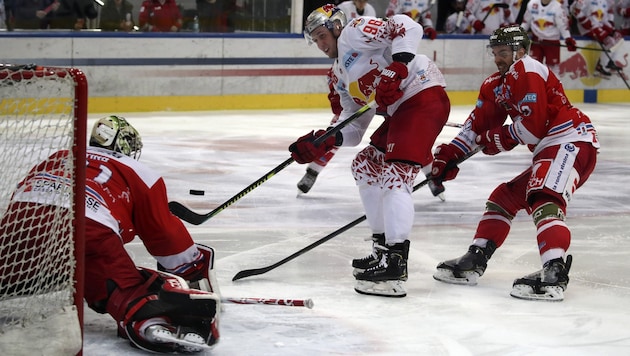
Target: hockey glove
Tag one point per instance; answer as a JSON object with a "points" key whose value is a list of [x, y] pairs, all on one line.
{"points": [[388, 89], [444, 163], [304, 149], [478, 25], [497, 140], [430, 32], [600, 33], [571, 45], [625, 12]]}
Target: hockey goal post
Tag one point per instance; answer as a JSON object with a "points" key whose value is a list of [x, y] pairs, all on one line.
{"points": [[43, 110]]}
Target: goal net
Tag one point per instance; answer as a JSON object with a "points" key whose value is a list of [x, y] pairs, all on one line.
{"points": [[43, 111]]}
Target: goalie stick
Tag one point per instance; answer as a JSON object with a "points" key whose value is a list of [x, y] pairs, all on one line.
{"points": [[182, 212], [258, 271]]}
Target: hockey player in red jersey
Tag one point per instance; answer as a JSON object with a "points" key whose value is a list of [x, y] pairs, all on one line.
{"points": [[375, 59], [158, 310], [564, 145]]}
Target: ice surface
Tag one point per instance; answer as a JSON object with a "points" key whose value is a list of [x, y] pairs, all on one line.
{"points": [[223, 152]]}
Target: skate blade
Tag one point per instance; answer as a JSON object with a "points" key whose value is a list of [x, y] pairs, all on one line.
{"points": [[441, 196], [549, 293], [446, 276], [393, 289], [191, 343]]}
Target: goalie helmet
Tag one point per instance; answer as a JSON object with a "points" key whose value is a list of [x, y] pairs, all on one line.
{"points": [[513, 36], [116, 134], [328, 15]]}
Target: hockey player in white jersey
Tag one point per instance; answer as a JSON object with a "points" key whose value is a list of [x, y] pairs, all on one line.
{"points": [[548, 22], [487, 15], [418, 10], [375, 60]]}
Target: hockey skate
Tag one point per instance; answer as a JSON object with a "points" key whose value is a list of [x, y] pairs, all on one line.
{"points": [[548, 284], [371, 260], [306, 183], [599, 69], [467, 268], [387, 277]]}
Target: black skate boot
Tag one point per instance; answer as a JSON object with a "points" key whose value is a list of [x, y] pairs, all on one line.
{"points": [[386, 278], [547, 284], [306, 183], [599, 68], [371, 260], [467, 268]]}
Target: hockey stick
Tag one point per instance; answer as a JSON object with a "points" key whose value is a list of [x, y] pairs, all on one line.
{"points": [[262, 270], [578, 47], [499, 5], [619, 71], [272, 301], [182, 212]]}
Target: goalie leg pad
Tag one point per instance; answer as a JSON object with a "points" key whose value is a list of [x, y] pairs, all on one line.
{"points": [[183, 310], [394, 289]]}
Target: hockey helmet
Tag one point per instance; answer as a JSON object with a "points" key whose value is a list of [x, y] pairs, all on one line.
{"points": [[514, 36], [328, 15], [116, 134]]}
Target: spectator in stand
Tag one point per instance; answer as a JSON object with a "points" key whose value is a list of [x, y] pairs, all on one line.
{"points": [[33, 14], [3, 14], [116, 16], [596, 19], [215, 15], [456, 22], [72, 14], [623, 10], [547, 21], [485, 16], [355, 8], [160, 16], [418, 10]]}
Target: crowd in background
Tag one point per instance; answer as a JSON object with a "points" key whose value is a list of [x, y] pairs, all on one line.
{"points": [[436, 16]]}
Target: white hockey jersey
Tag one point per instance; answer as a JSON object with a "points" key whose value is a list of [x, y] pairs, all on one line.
{"points": [[476, 10], [350, 10], [365, 48], [547, 22], [418, 10]]}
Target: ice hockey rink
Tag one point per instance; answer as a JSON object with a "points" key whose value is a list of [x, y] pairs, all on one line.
{"points": [[223, 152]]}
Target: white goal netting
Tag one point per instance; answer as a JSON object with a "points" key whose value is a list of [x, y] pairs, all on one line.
{"points": [[42, 111]]}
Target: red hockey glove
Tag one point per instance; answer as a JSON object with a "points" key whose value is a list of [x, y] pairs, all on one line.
{"points": [[600, 33], [388, 89], [430, 32], [624, 12], [304, 150], [496, 140], [478, 25], [571, 45], [444, 166]]}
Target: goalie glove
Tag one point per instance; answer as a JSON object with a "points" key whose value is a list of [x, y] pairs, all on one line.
{"points": [[304, 150], [571, 44], [497, 140], [388, 88], [444, 163]]}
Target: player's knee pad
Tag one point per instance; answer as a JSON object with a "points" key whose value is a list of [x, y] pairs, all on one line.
{"points": [[547, 211], [180, 306], [492, 207], [367, 165]]}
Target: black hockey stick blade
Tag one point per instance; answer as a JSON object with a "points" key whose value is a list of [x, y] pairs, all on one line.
{"points": [[182, 212], [258, 271]]}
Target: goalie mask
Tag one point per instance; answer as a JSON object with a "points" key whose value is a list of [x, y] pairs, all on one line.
{"points": [[116, 134], [513, 36], [329, 16]]}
